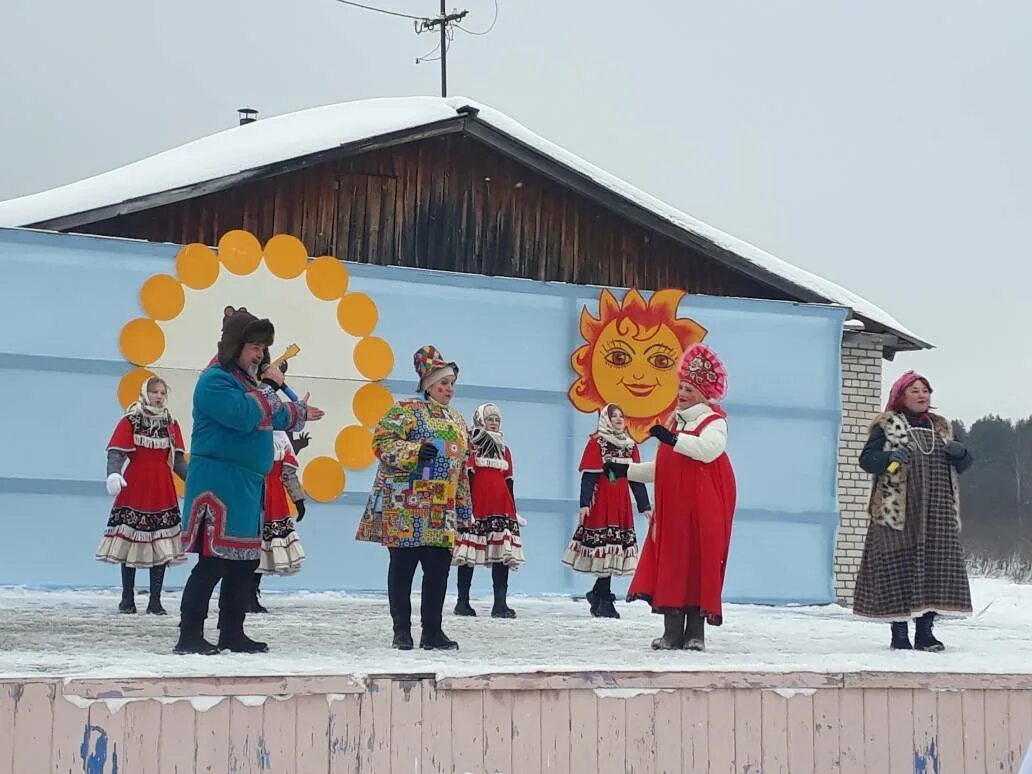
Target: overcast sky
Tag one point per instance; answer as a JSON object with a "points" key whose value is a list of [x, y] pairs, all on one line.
{"points": [[883, 145]]}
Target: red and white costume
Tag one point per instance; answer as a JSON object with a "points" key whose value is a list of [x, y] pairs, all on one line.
{"points": [[281, 552]]}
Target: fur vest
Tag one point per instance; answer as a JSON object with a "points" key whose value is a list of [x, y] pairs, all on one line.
{"points": [[888, 503]]}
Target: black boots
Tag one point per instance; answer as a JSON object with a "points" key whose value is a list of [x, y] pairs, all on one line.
{"points": [[253, 605], [191, 639], [462, 606], [923, 637], [601, 599], [402, 638], [673, 633], [500, 578], [232, 637], [900, 636], [128, 603], [695, 630], [157, 580], [435, 639]]}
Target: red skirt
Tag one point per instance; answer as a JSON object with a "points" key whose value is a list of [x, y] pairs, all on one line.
{"points": [[605, 543], [684, 556]]}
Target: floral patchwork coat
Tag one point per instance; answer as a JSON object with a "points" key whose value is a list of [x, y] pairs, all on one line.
{"points": [[411, 507]]}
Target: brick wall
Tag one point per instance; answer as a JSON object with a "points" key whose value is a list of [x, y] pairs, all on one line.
{"points": [[861, 401]]}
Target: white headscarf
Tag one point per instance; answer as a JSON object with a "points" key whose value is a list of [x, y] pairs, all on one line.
{"points": [[150, 416], [609, 434], [487, 444]]}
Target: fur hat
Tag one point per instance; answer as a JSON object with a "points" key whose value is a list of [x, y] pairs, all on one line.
{"points": [[702, 369], [900, 386], [240, 329], [431, 367]]}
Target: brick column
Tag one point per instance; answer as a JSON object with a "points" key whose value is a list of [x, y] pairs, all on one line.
{"points": [[861, 401]]}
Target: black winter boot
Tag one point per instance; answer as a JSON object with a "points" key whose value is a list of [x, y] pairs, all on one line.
{"points": [[462, 606], [436, 640], [695, 630], [232, 638], [253, 605], [128, 603], [901, 636], [402, 638], [191, 639], [157, 580], [923, 637], [598, 594], [673, 633], [500, 578]]}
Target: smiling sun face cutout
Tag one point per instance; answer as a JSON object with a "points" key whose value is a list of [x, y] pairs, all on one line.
{"points": [[631, 357]]}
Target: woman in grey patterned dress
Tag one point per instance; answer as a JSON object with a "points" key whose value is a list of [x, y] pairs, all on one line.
{"points": [[913, 565]]}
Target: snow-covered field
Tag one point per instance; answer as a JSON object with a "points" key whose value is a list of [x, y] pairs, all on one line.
{"points": [[79, 633]]}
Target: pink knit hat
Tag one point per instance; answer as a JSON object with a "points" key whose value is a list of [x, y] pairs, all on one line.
{"points": [[701, 368], [900, 386]]}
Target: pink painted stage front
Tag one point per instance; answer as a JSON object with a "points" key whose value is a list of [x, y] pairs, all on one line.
{"points": [[584, 722]]}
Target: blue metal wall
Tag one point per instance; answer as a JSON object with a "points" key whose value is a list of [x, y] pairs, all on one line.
{"points": [[66, 297]]}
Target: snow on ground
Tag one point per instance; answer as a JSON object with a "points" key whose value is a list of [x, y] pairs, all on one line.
{"points": [[79, 633]]}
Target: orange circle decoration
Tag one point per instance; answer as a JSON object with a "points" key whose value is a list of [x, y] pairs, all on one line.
{"points": [[130, 384], [357, 314], [162, 297], [240, 252], [141, 341], [373, 358], [327, 278], [370, 403], [197, 267], [323, 479], [354, 447], [285, 256]]}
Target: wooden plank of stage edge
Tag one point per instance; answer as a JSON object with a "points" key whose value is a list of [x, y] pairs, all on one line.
{"points": [[876, 729], [177, 742], [938, 681], [142, 724], [774, 739], [374, 751], [312, 737], [247, 753], [997, 731], [748, 730], [542, 681], [437, 730], [555, 731], [105, 745], [33, 727], [611, 733], [583, 732], [826, 741], [669, 739], [973, 706], [186, 687], [526, 731], [799, 733], [498, 731], [721, 731], [70, 721], [900, 739], [468, 731], [694, 737], [345, 732], [926, 746], [640, 756], [406, 725], [1020, 706], [279, 733], [949, 730], [851, 731], [9, 695], [212, 722]]}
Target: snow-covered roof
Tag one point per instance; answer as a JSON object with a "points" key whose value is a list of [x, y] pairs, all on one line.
{"points": [[280, 138]]}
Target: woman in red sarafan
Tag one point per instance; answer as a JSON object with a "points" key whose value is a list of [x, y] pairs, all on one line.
{"points": [[604, 543], [143, 528], [681, 569]]}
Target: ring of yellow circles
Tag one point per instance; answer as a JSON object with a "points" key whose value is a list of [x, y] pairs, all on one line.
{"points": [[162, 298]]}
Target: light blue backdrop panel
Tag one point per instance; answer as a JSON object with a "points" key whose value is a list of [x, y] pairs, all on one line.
{"points": [[68, 296]]}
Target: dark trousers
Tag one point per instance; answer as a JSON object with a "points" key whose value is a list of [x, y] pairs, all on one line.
{"points": [[237, 578], [436, 562]]}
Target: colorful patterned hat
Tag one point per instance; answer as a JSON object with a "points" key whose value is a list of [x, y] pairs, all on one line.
{"points": [[701, 368], [431, 367]]}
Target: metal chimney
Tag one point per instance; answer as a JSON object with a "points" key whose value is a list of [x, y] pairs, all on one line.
{"points": [[247, 115]]}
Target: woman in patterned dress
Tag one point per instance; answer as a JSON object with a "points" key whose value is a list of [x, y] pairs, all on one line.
{"points": [[420, 493], [604, 543], [493, 536], [143, 528], [913, 565]]}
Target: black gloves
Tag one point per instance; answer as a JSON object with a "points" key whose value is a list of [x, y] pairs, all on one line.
{"points": [[955, 450], [663, 435], [300, 505], [427, 454], [900, 455], [615, 469]]}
